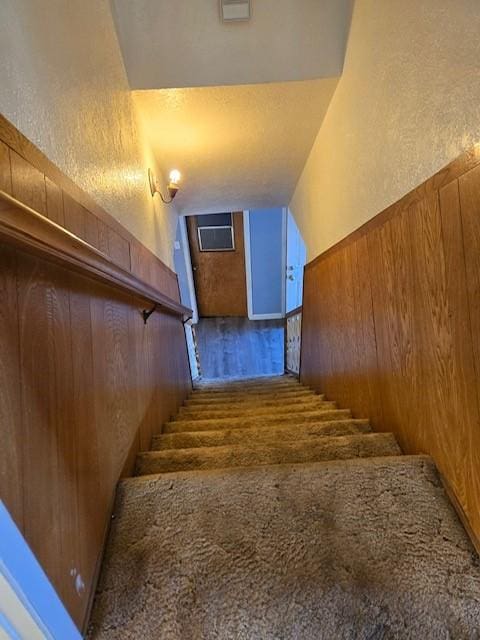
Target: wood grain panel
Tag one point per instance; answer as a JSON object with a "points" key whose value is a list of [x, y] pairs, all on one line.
{"points": [[469, 186], [393, 292], [220, 281], [149, 268], [93, 494], [5, 172], [118, 249], [22, 227], [11, 467], [367, 377], [91, 229], [162, 277], [46, 382], [54, 203], [28, 184], [74, 217], [391, 326], [85, 384], [83, 381], [112, 401]]}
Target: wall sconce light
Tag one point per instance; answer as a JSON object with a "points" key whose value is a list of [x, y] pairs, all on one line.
{"points": [[172, 186]]}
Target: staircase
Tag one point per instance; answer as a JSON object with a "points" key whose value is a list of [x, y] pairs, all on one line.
{"points": [[263, 511]]}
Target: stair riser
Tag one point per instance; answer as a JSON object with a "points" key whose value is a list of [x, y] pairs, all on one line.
{"points": [[271, 435], [257, 390], [327, 448], [186, 413], [258, 421], [253, 388]]}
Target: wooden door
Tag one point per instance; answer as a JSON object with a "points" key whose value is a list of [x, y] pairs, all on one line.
{"points": [[220, 282]]}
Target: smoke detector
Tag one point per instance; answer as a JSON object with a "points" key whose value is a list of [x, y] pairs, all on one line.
{"points": [[235, 10]]}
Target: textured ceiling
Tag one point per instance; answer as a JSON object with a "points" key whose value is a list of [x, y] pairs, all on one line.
{"points": [[183, 43], [238, 146]]}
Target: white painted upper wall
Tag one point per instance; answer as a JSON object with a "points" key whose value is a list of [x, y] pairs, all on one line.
{"points": [[408, 103], [64, 87], [183, 43]]}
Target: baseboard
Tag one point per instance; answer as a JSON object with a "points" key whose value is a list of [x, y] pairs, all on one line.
{"points": [[461, 514]]}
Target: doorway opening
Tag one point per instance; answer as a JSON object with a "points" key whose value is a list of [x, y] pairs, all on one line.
{"points": [[240, 272]]}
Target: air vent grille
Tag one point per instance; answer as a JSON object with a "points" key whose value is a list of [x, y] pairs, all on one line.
{"points": [[215, 232], [234, 10]]}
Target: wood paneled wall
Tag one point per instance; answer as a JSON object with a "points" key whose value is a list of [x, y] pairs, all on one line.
{"points": [[84, 383], [391, 325]]}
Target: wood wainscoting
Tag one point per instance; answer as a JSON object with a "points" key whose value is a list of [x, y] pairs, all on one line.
{"points": [[391, 325], [84, 383]]}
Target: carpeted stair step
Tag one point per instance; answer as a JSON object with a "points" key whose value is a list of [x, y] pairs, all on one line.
{"points": [[229, 381], [360, 549], [230, 411], [260, 435], [234, 383], [242, 380], [255, 398], [255, 420], [260, 391], [370, 445], [282, 383], [241, 404]]}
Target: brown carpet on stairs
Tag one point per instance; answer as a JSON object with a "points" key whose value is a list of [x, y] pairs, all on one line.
{"points": [[283, 524]]}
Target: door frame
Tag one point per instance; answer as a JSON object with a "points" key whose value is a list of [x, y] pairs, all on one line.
{"points": [[248, 268], [28, 603], [182, 221]]}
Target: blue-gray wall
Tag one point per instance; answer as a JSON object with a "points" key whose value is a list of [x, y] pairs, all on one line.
{"points": [[266, 251]]}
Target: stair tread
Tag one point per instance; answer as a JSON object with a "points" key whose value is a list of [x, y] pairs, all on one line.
{"points": [[230, 382], [349, 549], [190, 439], [252, 420], [258, 391], [192, 413], [245, 386], [306, 450], [256, 399]]}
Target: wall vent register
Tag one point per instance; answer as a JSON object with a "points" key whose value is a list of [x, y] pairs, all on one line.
{"points": [[235, 10], [215, 232]]}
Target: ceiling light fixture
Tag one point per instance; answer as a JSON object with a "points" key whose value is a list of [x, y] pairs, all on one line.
{"points": [[172, 186]]}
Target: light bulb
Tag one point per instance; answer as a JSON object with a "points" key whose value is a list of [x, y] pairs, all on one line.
{"points": [[175, 176]]}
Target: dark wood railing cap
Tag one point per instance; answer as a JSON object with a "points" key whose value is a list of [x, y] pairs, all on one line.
{"points": [[294, 312], [30, 231]]}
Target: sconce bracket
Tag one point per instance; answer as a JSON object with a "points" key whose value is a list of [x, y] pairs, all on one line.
{"points": [[151, 182], [146, 314], [172, 188]]}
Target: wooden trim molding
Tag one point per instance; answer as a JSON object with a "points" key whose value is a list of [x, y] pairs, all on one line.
{"points": [[294, 312], [461, 513], [28, 601], [12, 137], [30, 231]]}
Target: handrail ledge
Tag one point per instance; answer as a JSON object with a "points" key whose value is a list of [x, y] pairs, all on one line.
{"points": [[33, 232]]}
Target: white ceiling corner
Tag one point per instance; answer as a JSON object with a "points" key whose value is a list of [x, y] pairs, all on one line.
{"points": [[235, 107], [184, 43]]}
